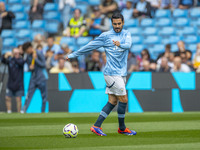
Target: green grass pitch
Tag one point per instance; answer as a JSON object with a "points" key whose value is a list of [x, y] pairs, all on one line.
{"points": [[157, 131]]}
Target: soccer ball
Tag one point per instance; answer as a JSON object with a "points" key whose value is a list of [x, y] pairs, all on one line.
{"points": [[70, 130]]}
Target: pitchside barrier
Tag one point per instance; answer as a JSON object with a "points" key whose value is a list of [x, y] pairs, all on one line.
{"points": [[85, 92]]}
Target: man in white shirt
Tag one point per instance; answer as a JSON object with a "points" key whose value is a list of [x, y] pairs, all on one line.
{"points": [[179, 66]]}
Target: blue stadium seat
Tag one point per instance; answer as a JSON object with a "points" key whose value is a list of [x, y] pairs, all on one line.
{"points": [[51, 7], [16, 8], [35, 32], [163, 13], [147, 22], [137, 48], [83, 8], [27, 8], [52, 15], [163, 22], [26, 2], [191, 39], [22, 25], [11, 2], [191, 47], [68, 40], [174, 47], [137, 39], [174, 39], [83, 40], [189, 31], [195, 13], [52, 26], [9, 42], [153, 40], [22, 41], [134, 30], [7, 34], [181, 22], [150, 31], [38, 24], [21, 16], [180, 13], [131, 23], [94, 2], [167, 31], [156, 49], [24, 34]]}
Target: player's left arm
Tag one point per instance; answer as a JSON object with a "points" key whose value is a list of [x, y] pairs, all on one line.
{"points": [[128, 42]]}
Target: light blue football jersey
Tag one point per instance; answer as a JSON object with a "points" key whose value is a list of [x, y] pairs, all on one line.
{"points": [[116, 56]]}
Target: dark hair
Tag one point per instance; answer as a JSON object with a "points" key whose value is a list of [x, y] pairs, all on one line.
{"points": [[117, 15], [147, 52], [26, 45], [168, 46], [39, 46], [78, 9], [51, 37]]}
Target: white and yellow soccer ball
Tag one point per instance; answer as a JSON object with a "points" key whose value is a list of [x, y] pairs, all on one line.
{"points": [[70, 130]]}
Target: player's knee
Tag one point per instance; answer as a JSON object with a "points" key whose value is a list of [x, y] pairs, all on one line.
{"points": [[113, 102]]}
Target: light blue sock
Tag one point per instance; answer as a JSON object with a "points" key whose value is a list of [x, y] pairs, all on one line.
{"points": [[104, 113], [121, 115]]}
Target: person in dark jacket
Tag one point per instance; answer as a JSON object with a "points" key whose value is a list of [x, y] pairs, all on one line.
{"points": [[5, 18], [142, 9], [36, 63], [15, 86]]}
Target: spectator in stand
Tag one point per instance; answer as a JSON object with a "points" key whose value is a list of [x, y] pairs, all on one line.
{"points": [[39, 48], [179, 66], [36, 10], [39, 40], [155, 4], [132, 64], [153, 66], [128, 11], [94, 64], [165, 54], [50, 51], [142, 9], [144, 56], [5, 18], [76, 26], [103, 55], [75, 66], [186, 4], [163, 66], [169, 4], [196, 60], [108, 7], [60, 67], [99, 23], [15, 85], [36, 63], [65, 50], [181, 48], [121, 4], [145, 65], [65, 7], [171, 59]]}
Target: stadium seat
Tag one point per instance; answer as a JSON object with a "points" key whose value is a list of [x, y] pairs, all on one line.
{"points": [[35, 32], [156, 49], [16, 8], [134, 30], [191, 39], [24, 33], [195, 13], [189, 31], [150, 31], [27, 8], [131, 23], [137, 48], [38, 24], [137, 39], [152, 40], [50, 7], [163, 22], [52, 15], [167, 31], [7, 34], [174, 39], [52, 27], [22, 25], [26, 2], [21, 16], [68, 40], [162, 13], [94, 2], [11, 2], [191, 47], [174, 47], [180, 13], [83, 40], [9, 42], [22, 41], [181, 22], [83, 8], [147, 22]]}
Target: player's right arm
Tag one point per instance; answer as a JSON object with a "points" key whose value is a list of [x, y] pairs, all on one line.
{"points": [[95, 44]]}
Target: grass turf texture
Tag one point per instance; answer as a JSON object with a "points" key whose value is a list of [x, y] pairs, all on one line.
{"points": [[158, 131]]}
